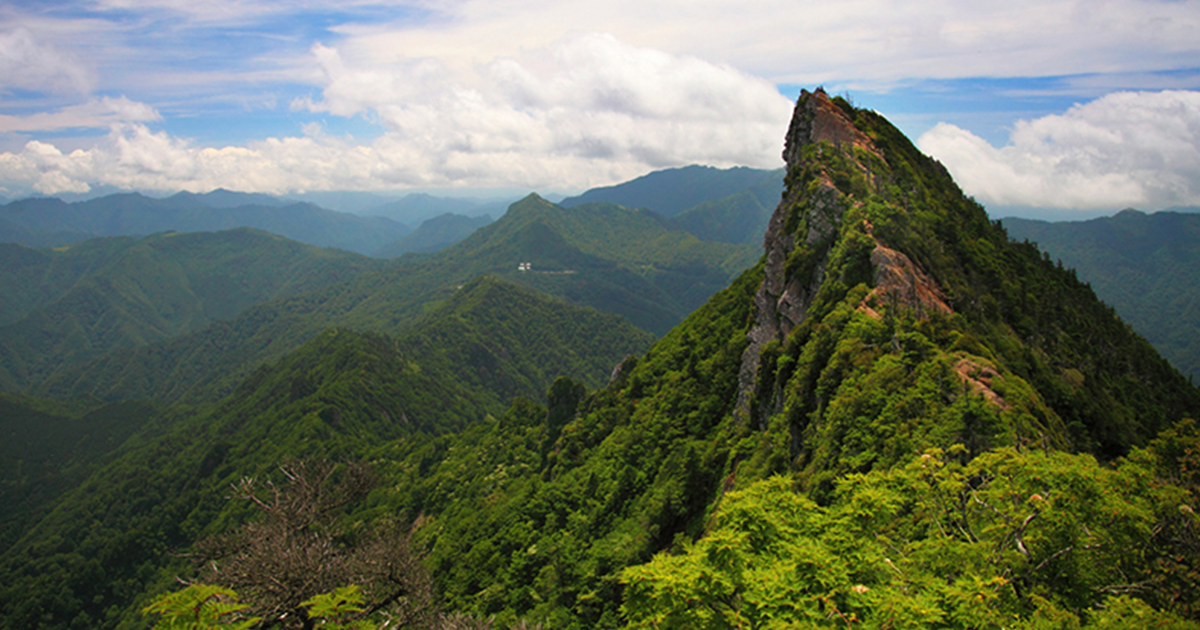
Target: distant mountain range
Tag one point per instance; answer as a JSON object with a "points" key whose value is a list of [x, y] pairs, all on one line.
{"points": [[75, 303], [50, 222], [720, 205], [437, 233], [617, 260], [670, 191], [1147, 266]]}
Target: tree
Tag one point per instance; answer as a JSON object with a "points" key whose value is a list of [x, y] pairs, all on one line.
{"points": [[1010, 539], [299, 549]]}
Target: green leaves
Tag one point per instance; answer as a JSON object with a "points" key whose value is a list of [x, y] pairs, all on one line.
{"points": [[338, 610], [208, 607], [200, 607], [1010, 539]]}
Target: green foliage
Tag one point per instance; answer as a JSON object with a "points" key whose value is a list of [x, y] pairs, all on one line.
{"points": [[337, 610], [524, 521], [48, 448], [340, 396], [204, 607], [1008, 540], [199, 607]]}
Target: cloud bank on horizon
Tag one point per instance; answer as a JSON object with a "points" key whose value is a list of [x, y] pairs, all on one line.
{"points": [[1098, 102]]}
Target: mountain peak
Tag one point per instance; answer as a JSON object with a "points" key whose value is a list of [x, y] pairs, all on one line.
{"points": [[532, 202], [819, 118], [870, 227]]}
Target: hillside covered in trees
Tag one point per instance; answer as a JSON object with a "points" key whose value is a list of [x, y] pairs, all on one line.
{"points": [[899, 417], [1144, 265]]}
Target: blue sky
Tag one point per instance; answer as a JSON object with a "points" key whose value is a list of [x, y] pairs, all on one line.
{"points": [[1071, 108]]}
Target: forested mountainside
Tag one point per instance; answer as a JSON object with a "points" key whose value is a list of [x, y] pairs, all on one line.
{"points": [[891, 329], [50, 447], [898, 418], [64, 306], [49, 221], [341, 395], [613, 259], [1147, 266]]}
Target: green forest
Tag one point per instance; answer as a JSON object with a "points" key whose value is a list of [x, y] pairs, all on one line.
{"points": [[892, 415], [1144, 265]]}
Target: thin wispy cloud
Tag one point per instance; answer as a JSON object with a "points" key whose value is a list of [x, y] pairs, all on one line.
{"points": [[29, 64]]}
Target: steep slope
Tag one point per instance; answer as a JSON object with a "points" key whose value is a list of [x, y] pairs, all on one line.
{"points": [[341, 395], [891, 326], [76, 303], [610, 258], [1144, 265]]}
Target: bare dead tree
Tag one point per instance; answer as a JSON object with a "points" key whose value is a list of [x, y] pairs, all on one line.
{"points": [[298, 548]]}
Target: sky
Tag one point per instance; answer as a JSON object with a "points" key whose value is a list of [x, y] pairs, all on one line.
{"points": [[1038, 108]]}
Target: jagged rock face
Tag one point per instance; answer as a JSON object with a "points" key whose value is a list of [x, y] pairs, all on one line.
{"points": [[899, 281], [818, 119], [783, 300]]}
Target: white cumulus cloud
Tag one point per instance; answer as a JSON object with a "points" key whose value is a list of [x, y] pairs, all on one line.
{"points": [[589, 96], [1139, 149], [588, 110]]}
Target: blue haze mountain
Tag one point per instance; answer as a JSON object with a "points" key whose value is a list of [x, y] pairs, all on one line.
{"points": [[669, 192], [434, 234], [133, 214]]}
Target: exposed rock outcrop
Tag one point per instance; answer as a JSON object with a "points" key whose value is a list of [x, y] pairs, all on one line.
{"points": [[900, 282], [979, 379], [810, 216]]}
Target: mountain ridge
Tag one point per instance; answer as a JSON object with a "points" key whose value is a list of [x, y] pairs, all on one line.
{"points": [[134, 214], [610, 258]]}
